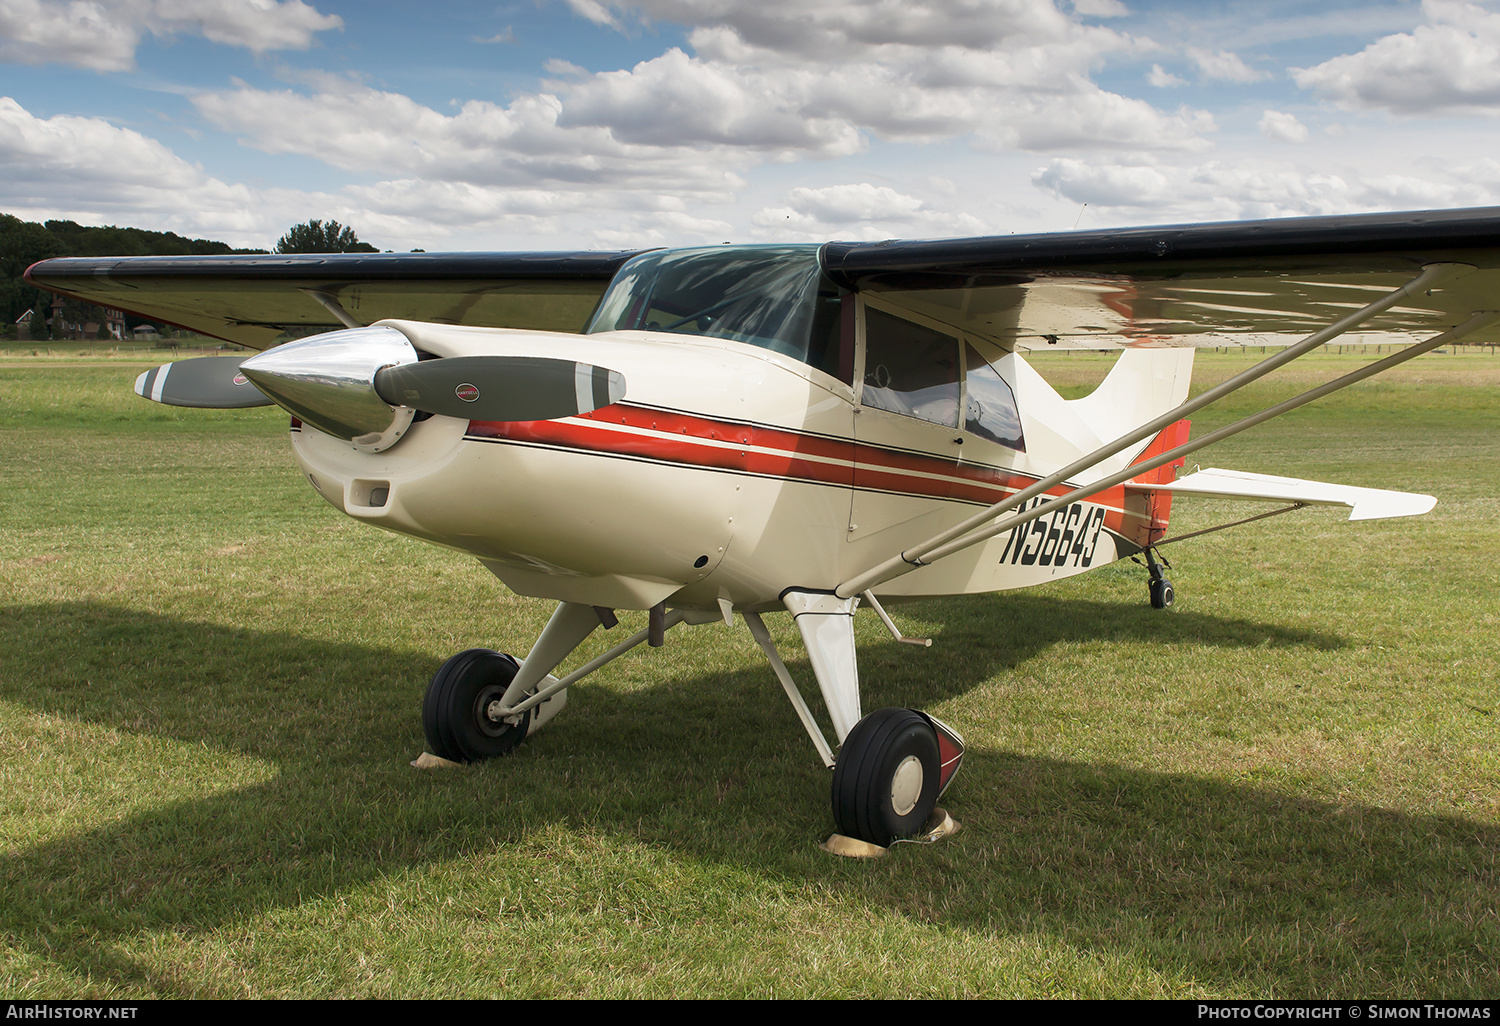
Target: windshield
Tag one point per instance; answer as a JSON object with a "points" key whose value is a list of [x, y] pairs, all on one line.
{"points": [[774, 297]]}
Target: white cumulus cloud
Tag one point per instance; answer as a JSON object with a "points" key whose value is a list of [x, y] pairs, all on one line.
{"points": [[102, 35], [860, 211], [1221, 64], [677, 100], [89, 169], [843, 29], [815, 79], [776, 82], [1282, 127], [523, 144], [1161, 78], [1100, 8], [1451, 64], [1215, 190]]}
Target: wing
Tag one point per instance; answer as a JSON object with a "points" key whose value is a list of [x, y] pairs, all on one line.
{"points": [[253, 299], [1238, 283]]}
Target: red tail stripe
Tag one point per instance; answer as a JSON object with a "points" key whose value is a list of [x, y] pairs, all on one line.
{"points": [[1146, 524]]}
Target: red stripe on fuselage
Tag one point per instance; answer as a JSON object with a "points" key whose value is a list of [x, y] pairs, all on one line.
{"points": [[793, 454], [685, 445]]}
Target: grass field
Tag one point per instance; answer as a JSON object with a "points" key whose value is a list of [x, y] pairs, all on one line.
{"points": [[1286, 786]]}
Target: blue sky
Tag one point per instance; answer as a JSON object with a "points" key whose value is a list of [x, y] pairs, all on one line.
{"points": [[551, 124]]}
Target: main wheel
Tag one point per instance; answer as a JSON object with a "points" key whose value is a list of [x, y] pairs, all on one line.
{"points": [[885, 782], [455, 713]]}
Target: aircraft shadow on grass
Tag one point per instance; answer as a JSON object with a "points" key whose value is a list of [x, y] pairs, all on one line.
{"points": [[1226, 882]]}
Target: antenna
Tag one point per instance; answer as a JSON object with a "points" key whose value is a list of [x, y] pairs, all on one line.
{"points": [[1080, 215]]}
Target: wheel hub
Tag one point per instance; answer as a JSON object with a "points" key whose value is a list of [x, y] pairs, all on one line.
{"points": [[906, 785], [486, 706]]}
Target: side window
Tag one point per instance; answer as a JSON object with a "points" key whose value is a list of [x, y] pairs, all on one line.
{"points": [[991, 409], [910, 370]]}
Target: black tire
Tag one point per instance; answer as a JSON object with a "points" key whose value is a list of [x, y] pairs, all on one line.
{"points": [[867, 801], [1161, 594], [453, 712]]}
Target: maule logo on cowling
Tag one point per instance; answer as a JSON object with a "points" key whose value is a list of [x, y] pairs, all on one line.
{"points": [[240, 379], [467, 392]]}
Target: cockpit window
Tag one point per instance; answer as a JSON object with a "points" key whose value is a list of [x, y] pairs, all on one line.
{"points": [[910, 369], [774, 297]]}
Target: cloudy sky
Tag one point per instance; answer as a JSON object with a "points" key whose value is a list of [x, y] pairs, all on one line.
{"points": [[626, 123]]}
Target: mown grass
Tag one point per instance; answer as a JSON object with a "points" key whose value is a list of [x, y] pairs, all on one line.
{"points": [[209, 694]]}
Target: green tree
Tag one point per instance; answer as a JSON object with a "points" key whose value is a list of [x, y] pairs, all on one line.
{"points": [[316, 237], [23, 243]]}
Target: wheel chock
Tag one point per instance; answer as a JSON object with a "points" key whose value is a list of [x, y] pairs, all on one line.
{"points": [[939, 825], [427, 761], [852, 847]]}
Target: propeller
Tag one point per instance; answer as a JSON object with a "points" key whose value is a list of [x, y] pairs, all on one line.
{"points": [[500, 387], [209, 382], [365, 385]]}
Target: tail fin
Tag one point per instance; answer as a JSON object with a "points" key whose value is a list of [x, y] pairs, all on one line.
{"points": [[1142, 385]]}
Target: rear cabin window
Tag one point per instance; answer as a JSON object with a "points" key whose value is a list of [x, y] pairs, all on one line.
{"points": [[990, 410]]}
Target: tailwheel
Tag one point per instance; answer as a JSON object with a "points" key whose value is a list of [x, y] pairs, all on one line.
{"points": [[1158, 587], [1160, 591], [457, 711], [888, 776]]}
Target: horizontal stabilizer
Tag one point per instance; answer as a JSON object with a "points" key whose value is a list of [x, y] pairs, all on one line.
{"points": [[1366, 503], [210, 383]]}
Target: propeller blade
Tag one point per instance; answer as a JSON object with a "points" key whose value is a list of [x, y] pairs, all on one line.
{"points": [[209, 382], [500, 387]]}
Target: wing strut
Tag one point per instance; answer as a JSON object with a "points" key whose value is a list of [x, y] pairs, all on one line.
{"points": [[969, 532], [333, 306]]}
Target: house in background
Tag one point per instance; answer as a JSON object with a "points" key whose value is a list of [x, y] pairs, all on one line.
{"points": [[62, 327], [110, 326]]}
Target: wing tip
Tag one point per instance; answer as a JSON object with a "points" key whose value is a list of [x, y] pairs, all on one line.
{"points": [[1393, 504]]}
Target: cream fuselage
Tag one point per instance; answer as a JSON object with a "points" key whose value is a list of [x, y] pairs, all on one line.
{"points": [[728, 472]]}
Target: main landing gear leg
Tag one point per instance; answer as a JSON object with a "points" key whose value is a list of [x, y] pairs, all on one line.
{"points": [[893, 764], [1158, 587]]}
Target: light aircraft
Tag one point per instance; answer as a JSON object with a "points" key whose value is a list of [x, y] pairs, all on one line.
{"points": [[745, 429]]}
